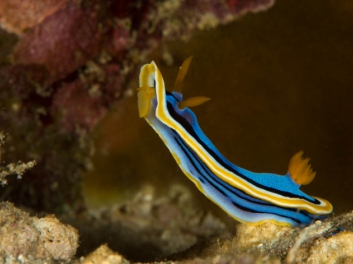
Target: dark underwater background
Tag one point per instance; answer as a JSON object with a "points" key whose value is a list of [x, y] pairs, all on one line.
{"points": [[280, 81]]}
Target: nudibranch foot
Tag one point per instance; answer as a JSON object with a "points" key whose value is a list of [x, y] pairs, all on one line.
{"points": [[247, 196]]}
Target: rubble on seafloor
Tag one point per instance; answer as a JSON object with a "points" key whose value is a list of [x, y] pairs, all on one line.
{"points": [[26, 239], [164, 229], [167, 229], [149, 227]]}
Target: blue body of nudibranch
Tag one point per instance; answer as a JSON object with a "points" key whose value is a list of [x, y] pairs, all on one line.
{"points": [[247, 196]]}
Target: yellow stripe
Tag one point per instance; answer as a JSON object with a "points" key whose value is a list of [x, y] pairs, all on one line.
{"points": [[232, 179], [146, 71]]}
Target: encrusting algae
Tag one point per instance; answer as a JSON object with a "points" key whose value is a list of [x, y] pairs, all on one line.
{"points": [[17, 168]]}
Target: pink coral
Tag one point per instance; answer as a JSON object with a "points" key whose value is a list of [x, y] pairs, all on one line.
{"points": [[18, 15], [63, 42], [76, 107]]}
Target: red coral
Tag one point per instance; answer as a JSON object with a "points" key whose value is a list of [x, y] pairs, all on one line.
{"points": [[62, 42], [121, 38], [76, 107], [112, 81], [17, 15]]}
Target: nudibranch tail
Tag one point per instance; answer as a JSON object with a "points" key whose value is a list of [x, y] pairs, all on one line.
{"points": [[247, 196], [300, 170]]}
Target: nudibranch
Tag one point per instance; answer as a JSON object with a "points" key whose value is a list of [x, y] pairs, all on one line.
{"points": [[248, 197]]}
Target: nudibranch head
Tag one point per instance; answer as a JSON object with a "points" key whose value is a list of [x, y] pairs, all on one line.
{"points": [[146, 91], [145, 95]]}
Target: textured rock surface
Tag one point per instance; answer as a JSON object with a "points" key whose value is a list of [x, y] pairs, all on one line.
{"points": [[165, 230], [27, 239], [103, 254], [267, 243], [336, 249]]}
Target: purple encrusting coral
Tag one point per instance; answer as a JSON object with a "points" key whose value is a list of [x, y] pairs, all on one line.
{"points": [[72, 61]]}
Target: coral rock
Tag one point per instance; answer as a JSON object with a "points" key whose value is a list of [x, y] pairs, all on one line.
{"points": [[336, 249], [17, 15], [28, 238], [105, 255], [57, 240]]}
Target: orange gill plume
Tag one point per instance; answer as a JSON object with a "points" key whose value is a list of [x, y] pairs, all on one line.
{"points": [[300, 169]]}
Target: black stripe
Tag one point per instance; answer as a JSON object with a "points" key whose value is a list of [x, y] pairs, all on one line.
{"points": [[186, 150], [172, 95], [213, 177], [184, 122], [252, 211]]}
